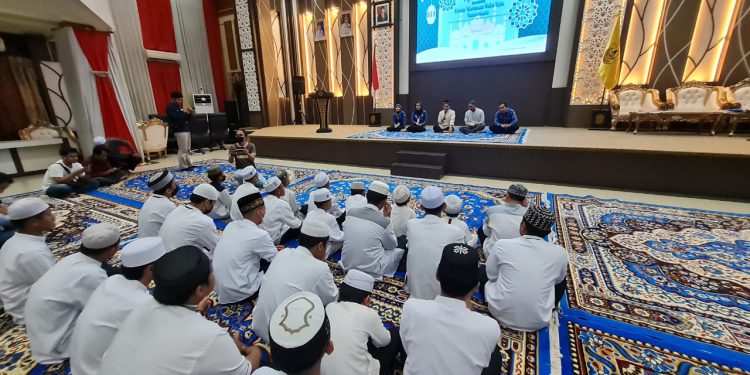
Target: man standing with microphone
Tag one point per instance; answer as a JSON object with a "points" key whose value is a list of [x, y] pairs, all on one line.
{"points": [[179, 120]]}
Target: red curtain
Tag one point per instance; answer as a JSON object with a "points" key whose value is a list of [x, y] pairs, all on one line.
{"points": [[165, 78], [156, 25], [211, 17], [95, 46]]}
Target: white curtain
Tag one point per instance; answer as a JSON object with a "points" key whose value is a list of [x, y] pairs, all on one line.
{"points": [[132, 56], [84, 99], [192, 45], [120, 84]]}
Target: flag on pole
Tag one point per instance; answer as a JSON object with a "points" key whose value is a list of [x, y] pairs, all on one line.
{"points": [[609, 69], [375, 81]]}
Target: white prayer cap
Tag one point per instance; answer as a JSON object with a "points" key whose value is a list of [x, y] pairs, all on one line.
{"points": [[100, 236], [431, 197], [379, 187], [160, 180], [98, 141], [297, 320], [321, 195], [360, 280], [315, 228], [356, 185], [247, 197], [272, 184], [142, 251], [249, 172], [453, 204], [321, 179], [206, 191], [401, 194], [26, 208]]}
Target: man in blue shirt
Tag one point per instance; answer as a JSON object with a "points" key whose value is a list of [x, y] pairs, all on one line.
{"points": [[506, 121], [399, 120], [179, 120]]}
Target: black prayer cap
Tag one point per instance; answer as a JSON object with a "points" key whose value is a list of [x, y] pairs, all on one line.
{"points": [[177, 274], [458, 270]]}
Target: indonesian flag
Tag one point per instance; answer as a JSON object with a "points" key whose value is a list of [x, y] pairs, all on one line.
{"points": [[375, 81]]}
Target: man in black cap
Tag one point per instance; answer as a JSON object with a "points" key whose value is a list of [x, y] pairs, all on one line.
{"points": [[166, 335], [443, 336]]}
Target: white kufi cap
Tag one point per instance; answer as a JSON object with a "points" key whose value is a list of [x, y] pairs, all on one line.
{"points": [[100, 236], [249, 172], [431, 197], [206, 191], [160, 180], [321, 195], [360, 280], [321, 179], [379, 187], [401, 194], [272, 184], [142, 251], [26, 208], [453, 204], [297, 320], [315, 228], [98, 141]]}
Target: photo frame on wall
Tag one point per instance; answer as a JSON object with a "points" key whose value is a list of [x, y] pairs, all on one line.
{"points": [[345, 24], [320, 30], [381, 14]]}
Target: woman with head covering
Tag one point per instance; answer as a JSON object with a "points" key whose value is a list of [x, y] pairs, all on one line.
{"points": [[418, 119], [398, 119]]}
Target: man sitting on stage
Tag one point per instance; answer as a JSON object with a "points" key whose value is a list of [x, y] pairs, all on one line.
{"points": [[473, 119], [446, 119], [506, 121], [399, 120]]}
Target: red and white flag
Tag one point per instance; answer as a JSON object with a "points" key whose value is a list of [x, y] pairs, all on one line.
{"points": [[375, 81]]}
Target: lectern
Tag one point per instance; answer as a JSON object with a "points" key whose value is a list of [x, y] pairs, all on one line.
{"points": [[322, 99]]}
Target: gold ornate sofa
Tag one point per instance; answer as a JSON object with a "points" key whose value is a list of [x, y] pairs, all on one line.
{"points": [[632, 98], [154, 136], [40, 130]]}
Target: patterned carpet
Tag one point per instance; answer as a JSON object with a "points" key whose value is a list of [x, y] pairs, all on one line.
{"points": [[482, 137]]}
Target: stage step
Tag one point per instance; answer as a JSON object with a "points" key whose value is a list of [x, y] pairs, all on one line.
{"points": [[434, 172], [421, 157]]}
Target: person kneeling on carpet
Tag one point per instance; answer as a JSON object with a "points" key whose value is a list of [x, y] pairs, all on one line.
{"points": [[525, 277], [279, 221], [446, 119], [100, 169], [158, 205], [418, 119], [473, 119], [224, 203], [67, 177], [399, 120], [506, 121]]}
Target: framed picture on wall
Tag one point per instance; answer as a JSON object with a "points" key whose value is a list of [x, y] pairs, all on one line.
{"points": [[320, 31], [345, 24], [381, 14]]}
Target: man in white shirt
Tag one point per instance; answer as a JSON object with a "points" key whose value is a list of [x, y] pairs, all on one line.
{"points": [[158, 205], [25, 257], [454, 205], [401, 214], [502, 221], [58, 297], [446, 119], [322, 181], [165, 335], [356, 196], [111, 303], [473, 119], [244, 252], [224, 203], [67, 177], [369, 241], [289, 195], [279, 221], [525, 276], [323, 202], [444, 336], [294, 270], [427, 237], [190, 225], [353, 325], [300, 336]]}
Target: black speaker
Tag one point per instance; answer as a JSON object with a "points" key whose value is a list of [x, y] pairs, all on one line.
{"points": [[298, 85], [601, 119]]}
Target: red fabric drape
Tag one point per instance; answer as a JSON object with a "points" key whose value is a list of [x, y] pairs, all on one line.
{"points": [[95, 46], [165, 78], [211, 17], [156, 25]]}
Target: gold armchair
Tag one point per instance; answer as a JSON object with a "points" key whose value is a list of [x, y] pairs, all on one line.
{"points": [[632, 98], [698, 97], [154, 136], [40, 129], [739, 93]]}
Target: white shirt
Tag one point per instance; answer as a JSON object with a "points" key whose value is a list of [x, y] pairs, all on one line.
{"points": [[502, 222], [522, 275], [355, 201], [446, 119], [365, 241], [158, 339], [267, 371], [186, 225], [57, 170], [237, 258], [100, 320], [400, 215], [54, 303], [291, 198], [222, 206], [293, 270], [279, 218], [444, 337], [23, 260], [352, 326], [336, 234], [427, 237], [469, 238], [152, 215], [474, 118]]}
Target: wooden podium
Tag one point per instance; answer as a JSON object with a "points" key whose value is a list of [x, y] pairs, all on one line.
{"points": [[322, 100]]}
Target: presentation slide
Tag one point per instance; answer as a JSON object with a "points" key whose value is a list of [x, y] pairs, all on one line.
{"points": [[449, 30]]}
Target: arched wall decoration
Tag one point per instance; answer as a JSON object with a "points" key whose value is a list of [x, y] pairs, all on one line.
{"points": [[249, 68]]}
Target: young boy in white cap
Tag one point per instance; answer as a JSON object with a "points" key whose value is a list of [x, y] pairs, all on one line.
{"points": [[453, 207], [369, 242], [294, 270], [322, 181], [353, 325], [427, 237], [224, 203], [289, 195], [401, 214], [279, 221], [158, 205], [190, 225], [244, 251], [443, 336], [25, 257], [323, 201], [502, 221], [58, 297], [356, 196], [300, 336], [111, 303], [526, 276]]}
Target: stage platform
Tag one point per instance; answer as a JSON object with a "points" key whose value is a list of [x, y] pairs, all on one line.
{"points": [[689, 164]]}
